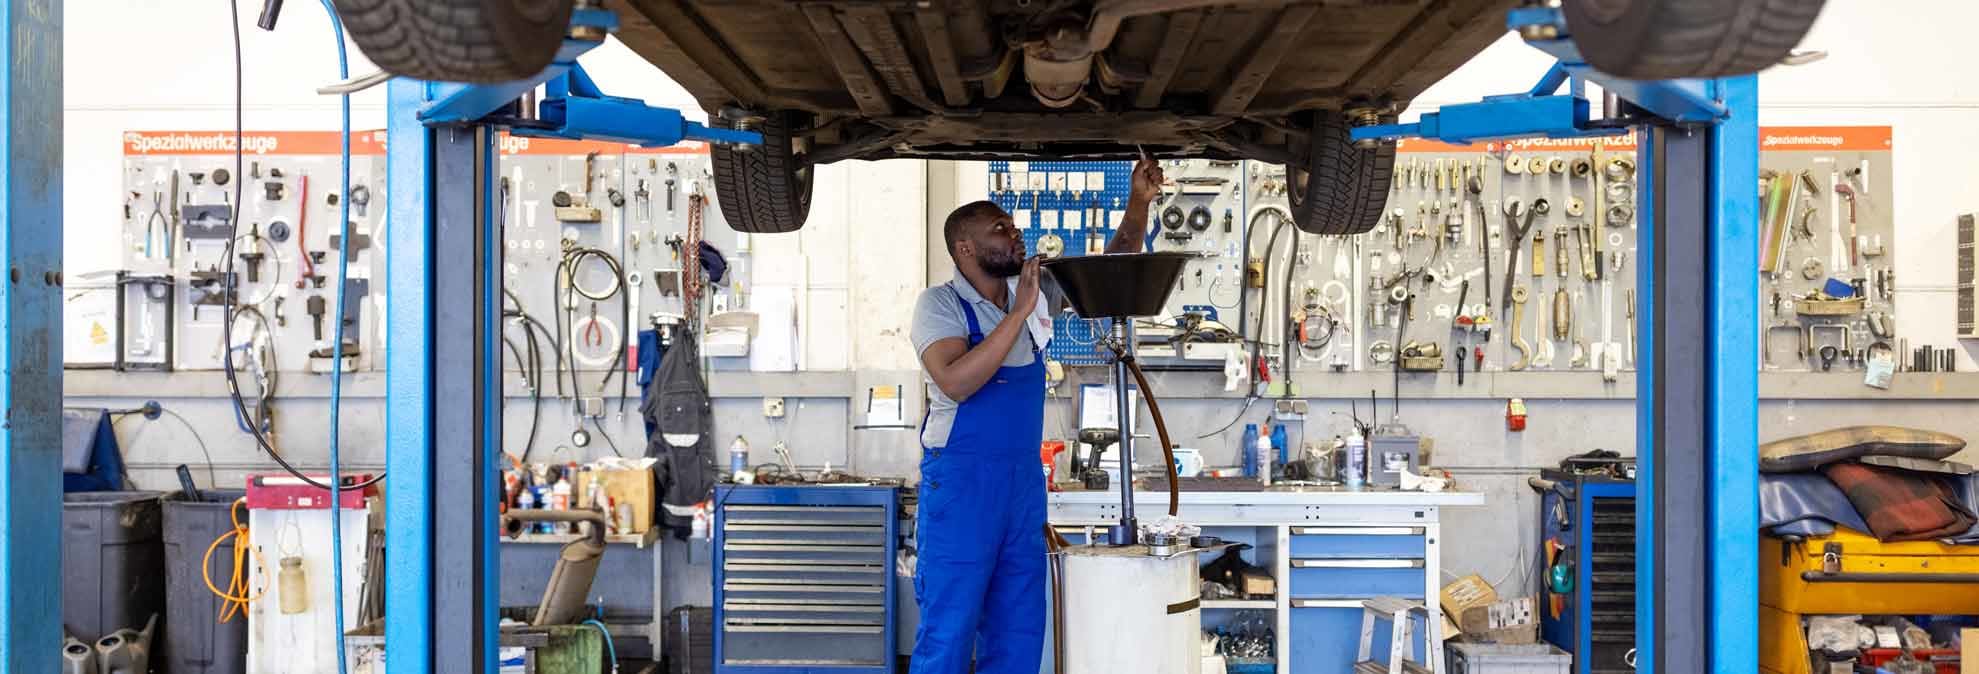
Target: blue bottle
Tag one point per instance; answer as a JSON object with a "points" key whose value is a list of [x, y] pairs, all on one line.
{"points": [[1278, 442], [1250, 450]]}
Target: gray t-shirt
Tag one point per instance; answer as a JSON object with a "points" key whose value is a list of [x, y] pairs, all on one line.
{"points": [[938, 316]]}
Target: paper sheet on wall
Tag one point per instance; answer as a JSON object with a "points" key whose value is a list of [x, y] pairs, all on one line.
{"points": [[775, 347]]}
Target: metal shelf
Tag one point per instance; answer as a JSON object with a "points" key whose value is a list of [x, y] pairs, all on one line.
{"points": [[1239, 604], [635, 540]]}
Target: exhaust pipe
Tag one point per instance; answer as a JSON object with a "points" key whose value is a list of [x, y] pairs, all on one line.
{"points": [[577, 564]]}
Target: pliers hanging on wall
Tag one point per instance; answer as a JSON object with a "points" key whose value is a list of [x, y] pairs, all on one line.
{"points": [[594, 334]]}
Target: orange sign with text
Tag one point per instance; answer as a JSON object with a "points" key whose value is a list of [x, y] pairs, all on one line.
{"points": [[368, 142], [252, 142], [1771, 139]]}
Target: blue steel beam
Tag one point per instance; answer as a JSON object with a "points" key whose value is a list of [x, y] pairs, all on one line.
{"points": [[1687, 101], [456, 103], [31, 336], [409, 401], [574, 108], [1733, 441]]}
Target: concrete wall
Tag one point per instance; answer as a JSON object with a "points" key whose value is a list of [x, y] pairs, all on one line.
{"points": [[868, 250]]}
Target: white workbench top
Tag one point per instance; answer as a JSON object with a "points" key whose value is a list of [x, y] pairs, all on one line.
{"points": [[1305, 496]]}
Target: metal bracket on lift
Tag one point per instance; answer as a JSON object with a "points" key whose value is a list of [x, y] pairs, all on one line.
{"points": [[572, 106], [1542, 110]]}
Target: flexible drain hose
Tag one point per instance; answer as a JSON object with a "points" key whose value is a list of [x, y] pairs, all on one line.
{"points": [[1161, 430]]}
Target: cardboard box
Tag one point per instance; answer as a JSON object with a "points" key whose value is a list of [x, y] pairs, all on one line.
{"points": [[1968, 651], [623, 486], [1465, 593], [1257, 584]]}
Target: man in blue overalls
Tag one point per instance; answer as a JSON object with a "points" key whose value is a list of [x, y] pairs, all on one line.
{"points": [[980, 580]]}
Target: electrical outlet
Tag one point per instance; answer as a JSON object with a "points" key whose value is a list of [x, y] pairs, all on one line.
{"points": [[773, 408]]}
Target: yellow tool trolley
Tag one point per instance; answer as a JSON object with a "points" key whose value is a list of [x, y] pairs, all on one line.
{"points": [[1848, 572]]}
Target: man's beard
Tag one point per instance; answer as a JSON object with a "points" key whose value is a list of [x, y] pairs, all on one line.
{"points": [[1003, 264]]}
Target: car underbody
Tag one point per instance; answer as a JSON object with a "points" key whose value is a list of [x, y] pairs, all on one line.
{"points": [[1081, 80]]}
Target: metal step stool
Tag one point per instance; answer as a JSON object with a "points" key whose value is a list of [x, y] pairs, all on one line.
{"points": [[1401, 637]]}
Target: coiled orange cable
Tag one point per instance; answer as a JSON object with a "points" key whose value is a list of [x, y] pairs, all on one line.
{"points": [[237, 597]]}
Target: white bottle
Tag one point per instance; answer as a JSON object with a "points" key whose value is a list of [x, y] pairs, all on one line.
{"points": [[1264, 454], [738, 458]]}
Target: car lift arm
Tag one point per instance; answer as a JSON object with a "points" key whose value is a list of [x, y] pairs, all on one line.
{"points": [[573, 107]]}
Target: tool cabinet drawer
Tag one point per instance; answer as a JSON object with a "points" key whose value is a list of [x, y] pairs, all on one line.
{"points": [[746, 613], [778, 593], [799, 553], [868, 535], [798, 646], [1370, 577], [1358, 542], [805, 515], [805, 574]]}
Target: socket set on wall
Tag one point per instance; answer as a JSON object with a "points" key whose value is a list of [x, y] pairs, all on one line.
{"points": [[1513, 256]]}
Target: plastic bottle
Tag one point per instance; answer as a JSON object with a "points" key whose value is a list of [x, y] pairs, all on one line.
{"points": [[1264, 458], [295, 586], [738, 456], [1279, 441], [1249, 450], [1356, 468]]}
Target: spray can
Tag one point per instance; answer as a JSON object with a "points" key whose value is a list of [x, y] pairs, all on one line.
{"points": [[1281, 443], [1264, 458], [1356, 468], [1248, 450]]}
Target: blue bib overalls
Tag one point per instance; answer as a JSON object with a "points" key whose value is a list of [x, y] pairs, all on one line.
{"points": [[980, 578]]}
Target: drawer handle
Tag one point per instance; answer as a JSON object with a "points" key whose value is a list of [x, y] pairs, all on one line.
{"points": [[1357, 531], [1848, 577], [1357, 563], [1326, 603]]}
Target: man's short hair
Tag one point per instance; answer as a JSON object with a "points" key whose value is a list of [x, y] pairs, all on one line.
{"points": [[954, 228]]}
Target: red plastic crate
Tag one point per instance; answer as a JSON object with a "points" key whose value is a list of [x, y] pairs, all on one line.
{"points": [[1945, 660]]}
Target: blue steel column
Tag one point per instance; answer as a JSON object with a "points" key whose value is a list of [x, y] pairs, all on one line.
{"points": [[442, 392], [1734, 380], [31, 337], [1697, 393]]}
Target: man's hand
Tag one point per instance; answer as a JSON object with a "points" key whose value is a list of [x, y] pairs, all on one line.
{"points": [[1147, 181], [1145, 186], [1027, 288]]}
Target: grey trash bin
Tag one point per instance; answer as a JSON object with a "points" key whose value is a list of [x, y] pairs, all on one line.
{"points": [[113, 562], [200, 643]]}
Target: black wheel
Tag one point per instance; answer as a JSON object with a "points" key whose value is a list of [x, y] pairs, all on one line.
{"points": [[458, 40], [765, 189], [1341, 189], [1669, 39]]}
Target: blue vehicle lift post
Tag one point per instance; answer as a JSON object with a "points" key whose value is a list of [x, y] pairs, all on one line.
{"points": [[443, 374], [1697, 390], [31, 337]]}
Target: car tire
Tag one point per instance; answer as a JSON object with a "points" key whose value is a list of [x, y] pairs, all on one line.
{"points": [[1671, 39], [477, 41], [1341, 188], [765, 189]]}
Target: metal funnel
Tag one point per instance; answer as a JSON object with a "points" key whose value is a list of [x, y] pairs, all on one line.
{"points": [[1118, 286]]}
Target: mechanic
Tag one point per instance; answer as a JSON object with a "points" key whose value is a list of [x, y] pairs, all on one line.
{"points": [[980, 578]]}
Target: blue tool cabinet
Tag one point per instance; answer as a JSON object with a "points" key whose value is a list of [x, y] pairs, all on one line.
{"points": [[803, 579], [1592, 520]]}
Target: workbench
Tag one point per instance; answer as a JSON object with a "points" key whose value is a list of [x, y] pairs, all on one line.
{"points": [[1328, 547]]}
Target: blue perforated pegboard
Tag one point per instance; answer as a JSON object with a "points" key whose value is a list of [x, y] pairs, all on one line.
{"points": [[1050, 205]]}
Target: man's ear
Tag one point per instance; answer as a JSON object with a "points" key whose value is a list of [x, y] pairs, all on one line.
{"points": [[964, 248]]}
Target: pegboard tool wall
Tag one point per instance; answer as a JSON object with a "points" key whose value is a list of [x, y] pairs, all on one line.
{"points": [[178, 190], [1072, 207], [1575, 267], [1846, 194]]}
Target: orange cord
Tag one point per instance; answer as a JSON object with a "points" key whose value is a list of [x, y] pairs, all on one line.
{"points": [[236, 598]]}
